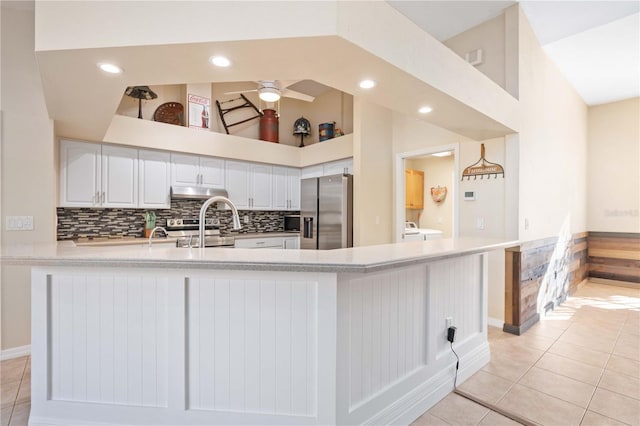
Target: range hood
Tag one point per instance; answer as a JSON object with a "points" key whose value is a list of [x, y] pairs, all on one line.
{"points": [[196, 193]]}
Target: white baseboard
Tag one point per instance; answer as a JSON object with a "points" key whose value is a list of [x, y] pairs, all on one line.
{"points": [[16, 352], [494, 322]]}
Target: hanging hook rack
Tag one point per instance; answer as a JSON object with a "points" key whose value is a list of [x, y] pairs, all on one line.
{"points": [[482, 168]]}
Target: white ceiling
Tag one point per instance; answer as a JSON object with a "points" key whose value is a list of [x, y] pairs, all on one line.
{"points": [[595, 44]]}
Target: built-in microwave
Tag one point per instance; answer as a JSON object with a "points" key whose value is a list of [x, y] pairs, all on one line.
{"points": [[292, 223]]}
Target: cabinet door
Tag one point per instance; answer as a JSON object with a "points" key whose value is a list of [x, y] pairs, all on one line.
{"points": [[119, 176], [185, 170], [414, 189], [80, 174], [279, 190], [237, 177], [338, 167], [292, 243], [154, 175], [293, 188], [312, 171], [212, 172], [260, 187]]}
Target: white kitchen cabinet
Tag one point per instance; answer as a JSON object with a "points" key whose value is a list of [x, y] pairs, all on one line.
{"points": [[119, 177], [261, 242], [249, 185], [80, 174], [154, 179], [194, 170], [337, 167], [286, 188], [93, 175], [312, 171], [288, 243], [291, 243]]}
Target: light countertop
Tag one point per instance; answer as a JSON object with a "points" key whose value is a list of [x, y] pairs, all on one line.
{"points": [[357, 259], [126, 241]]}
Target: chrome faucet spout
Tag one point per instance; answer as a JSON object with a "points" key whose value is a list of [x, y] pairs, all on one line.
{"points": [[203, 212], [153, 231]]}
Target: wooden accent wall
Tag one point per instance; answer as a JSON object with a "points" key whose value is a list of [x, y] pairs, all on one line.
{"points": [[539, 275], [614, 256]]}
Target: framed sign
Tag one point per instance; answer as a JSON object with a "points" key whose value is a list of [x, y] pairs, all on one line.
{"points": [[199, 108]]}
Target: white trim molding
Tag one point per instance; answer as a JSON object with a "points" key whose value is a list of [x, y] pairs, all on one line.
{"points": [[495, 322], [16, 352]]}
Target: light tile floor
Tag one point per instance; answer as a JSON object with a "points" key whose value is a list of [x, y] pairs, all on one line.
{"points": [[580, 365]]}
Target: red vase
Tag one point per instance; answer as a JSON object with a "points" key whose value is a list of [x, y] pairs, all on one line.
{"points": [[269, 126]]}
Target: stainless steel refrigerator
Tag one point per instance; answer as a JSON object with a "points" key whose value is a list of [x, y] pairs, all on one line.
{"points": [[326, 212]]}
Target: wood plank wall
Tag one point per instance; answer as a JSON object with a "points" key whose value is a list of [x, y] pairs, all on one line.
{"points": [[614, 256], [539, 275]]}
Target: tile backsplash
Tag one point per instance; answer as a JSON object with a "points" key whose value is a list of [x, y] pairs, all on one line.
{"points": [[76, 223]]}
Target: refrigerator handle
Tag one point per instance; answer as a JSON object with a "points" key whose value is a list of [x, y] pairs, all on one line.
{"points": [[308, 227]]}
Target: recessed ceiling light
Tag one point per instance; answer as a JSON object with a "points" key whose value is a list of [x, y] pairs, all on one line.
{"points": [[442, 154], [367, 84], [220, 61], [110, 68], [425, 110]]}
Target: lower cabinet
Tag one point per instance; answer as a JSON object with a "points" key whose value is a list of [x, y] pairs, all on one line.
{"points": [[288, 243]]}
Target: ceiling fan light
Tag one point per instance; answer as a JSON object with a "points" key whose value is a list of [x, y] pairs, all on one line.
{"points": [[269, 94]]}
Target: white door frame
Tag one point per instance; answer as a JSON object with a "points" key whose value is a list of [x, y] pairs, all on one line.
{"points": [[399, 199]]}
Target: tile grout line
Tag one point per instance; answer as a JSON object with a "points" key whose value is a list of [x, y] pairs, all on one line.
{"points": [[13, 405]]}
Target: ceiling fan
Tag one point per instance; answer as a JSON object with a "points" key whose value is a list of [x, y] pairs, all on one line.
{"points": [[272, 90]]}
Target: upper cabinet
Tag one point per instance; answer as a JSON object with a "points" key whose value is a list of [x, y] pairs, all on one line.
{"points": [[331, 168], [80, 174], [154, 179], [249, 185], [119, 176], [93, 175], [194, 170], [286, 188], [414, 189]]}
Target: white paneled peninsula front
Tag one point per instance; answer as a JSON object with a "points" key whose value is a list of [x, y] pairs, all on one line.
{"points": [[163, 335]]}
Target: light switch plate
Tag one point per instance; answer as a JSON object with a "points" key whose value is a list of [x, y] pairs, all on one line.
{"points": [[19, 223]]}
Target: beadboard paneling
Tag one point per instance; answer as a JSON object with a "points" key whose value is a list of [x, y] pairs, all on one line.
{"points": [[386, 326], [251, 345], [458, 288], [109, 339]]}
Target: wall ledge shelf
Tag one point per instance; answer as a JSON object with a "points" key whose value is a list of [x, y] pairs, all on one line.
{"points": [[149, 134]]}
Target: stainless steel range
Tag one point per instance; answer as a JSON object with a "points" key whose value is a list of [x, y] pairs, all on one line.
{"points": [[186, 230]]}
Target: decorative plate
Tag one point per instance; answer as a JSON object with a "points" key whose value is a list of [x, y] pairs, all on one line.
{"points": [[169, 112], [438, 194]]}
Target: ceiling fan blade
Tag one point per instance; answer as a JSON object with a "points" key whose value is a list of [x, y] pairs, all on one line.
{"points": [[297, 95]]}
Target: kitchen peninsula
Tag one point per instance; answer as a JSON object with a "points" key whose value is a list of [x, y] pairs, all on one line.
{"points": [[164, 335]]}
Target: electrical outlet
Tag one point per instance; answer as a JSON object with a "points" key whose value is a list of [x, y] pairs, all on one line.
{"points": [[246, 219], [480, 223], [448, 321], [19, 223]]}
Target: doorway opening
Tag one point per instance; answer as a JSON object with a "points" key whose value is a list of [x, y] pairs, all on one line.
{"points": [[426, 192]]}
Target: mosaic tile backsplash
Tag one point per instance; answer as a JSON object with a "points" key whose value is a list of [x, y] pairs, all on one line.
{"points": [[76, 223]]}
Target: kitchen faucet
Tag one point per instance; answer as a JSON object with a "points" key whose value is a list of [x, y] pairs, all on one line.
{"points": [[203, 212], [153, 232]]}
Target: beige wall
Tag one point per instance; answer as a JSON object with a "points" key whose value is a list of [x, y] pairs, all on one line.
{"points": [[614, 167], [438, 171], [166, 93], [373, 183], [553, 146], [28, 165], [490, 37], [489, 205]]}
